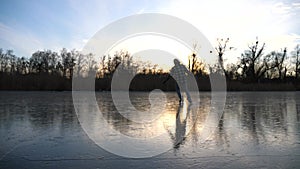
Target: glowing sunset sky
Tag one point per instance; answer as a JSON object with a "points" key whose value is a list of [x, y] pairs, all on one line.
{"points": [[28, 26]]}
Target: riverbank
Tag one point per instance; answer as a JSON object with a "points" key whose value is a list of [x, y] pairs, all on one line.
{"points": [[37, 82]]}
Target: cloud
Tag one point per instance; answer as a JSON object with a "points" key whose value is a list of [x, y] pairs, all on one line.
{"points": [[141, 11], [21, 42], [242, 21], [296, 4], [281, 8], [92, 16]]}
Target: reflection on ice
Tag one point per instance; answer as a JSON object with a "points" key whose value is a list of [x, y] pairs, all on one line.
{"points": [[44, 125]]}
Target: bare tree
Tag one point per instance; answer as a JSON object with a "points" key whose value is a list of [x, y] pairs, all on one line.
{"points": [[12, 61], [195, 65], [252, 63], [221, 48], [22, 65], [68, 62], [296, 61], [193, 59], [91, 63], [4, 61], [102, 66], [232, 71], [121, 58], [8, 61], [80, 62], [276, 65]]}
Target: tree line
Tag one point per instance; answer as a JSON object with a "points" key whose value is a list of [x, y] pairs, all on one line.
{"points": [[51, 70], [68, 63], [253, 65]]}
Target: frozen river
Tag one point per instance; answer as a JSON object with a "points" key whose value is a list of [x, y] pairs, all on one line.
{"points": [[257, 130]]}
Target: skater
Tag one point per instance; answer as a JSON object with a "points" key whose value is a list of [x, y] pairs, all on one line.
{"points": [[179, 72]]}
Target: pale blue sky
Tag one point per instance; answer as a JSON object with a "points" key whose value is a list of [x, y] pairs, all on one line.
{"points": [[27, 26]]}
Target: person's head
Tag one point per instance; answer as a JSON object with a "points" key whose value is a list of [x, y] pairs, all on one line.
{"points": [[176, 62]]}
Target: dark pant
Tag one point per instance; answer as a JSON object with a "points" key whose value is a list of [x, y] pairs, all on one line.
{"points": [[185, 89]]}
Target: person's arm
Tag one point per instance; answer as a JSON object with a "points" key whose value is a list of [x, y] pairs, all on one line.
{"points": [[169, 76], [189, 73]]}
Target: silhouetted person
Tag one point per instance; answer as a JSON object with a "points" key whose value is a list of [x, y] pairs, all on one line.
{"points": [[179, 72]]}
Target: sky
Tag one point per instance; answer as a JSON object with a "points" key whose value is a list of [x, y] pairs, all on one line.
{"points": [[31, 25]]}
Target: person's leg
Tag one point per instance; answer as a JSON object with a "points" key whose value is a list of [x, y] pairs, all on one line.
{"points": [[178, 92], [186, 90]]}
